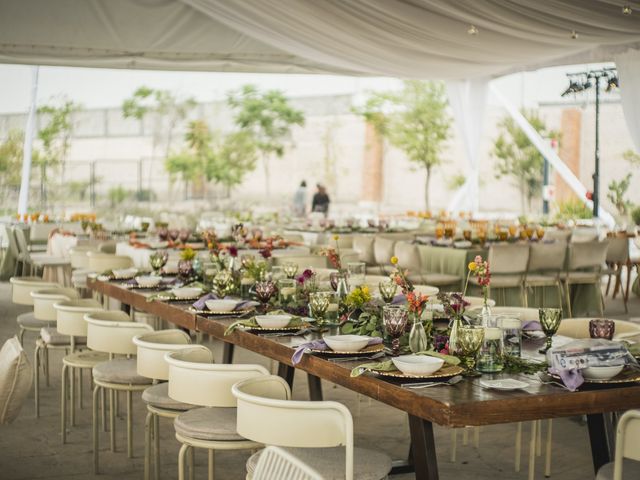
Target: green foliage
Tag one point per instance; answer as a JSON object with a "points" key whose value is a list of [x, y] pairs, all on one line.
{"points": [[456, 181], [267, 115], [635, 215], [78, 188], [146, 100], [11, 152], [268, 118], [572, 209], [632, 157], [519, 159], [233, 159], [415, 120], [617, 192], [118, 195]]}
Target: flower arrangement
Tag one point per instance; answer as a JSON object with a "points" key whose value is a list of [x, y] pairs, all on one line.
{"points": [[401, 278], [188, 254], [358, 297], [480, 268], [333, 255], [306, 283], [266, 251], [255, 269]]}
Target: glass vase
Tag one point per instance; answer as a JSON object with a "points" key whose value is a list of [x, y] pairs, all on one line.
{"points": [[418, 341], [455, 325]]}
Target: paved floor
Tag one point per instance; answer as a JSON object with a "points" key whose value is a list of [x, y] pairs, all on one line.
{"points": [[30, 448]]}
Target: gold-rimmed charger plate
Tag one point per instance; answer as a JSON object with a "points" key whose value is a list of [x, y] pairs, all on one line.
{"points": [[232, 313], [140, 287], [288, 328], [172, 298], [366, 350], [628, 375], [445, 372]]}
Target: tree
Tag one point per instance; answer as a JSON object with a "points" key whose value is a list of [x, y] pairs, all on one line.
{"points": [[617, 193], [234, 157], [415, 120], [55, 138], [191, 163], [268, 117], [11, 154], [519, 159]]}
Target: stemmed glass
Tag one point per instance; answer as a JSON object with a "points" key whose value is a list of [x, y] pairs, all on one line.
{"points": [[388, 290], [265, 289], [394, 319], [290, 269], [469, 341], [223, 283], [157, 260], [318, 306], [550, 322]]}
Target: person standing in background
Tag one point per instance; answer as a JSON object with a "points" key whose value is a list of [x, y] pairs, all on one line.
{"points": [[321, 201], [300, 200]]}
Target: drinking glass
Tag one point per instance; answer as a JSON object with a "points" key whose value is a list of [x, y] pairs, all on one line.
{"points": [[511, 334], [467, 235], [550, 321], [286, 290], [246, 284], [602, 328], [318, 306], [540, 233], [333, 310], [157, 260], [290, 269], [388, 290], [277, 272], [223, 283], [357, 271], [265, 289], [208, 275], [490, 357], [503, 235], [246, 259], [529, 231], [468, 344], [513, 229], [394, 319], [439, 231]]}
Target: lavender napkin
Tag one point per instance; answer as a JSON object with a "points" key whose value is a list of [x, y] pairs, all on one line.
{"points": [[532, 325], [572, 378], [321, 345]]}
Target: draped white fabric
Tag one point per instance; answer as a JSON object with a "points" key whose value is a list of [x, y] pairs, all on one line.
{"points": [[468, 100], [399, 38], [628, 65]]}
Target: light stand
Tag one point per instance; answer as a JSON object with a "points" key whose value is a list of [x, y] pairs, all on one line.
{"points": [[579, 82]]}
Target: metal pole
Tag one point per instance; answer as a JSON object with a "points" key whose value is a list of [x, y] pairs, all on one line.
{"points": [[545, 182], [92, 184], [596, 173], [23, 199]]}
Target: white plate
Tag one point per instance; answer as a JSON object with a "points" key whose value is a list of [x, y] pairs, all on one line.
{"points": [[504, 384], [187, 292], [346, 343], [273, 321], [417, 364], [221, 305]]}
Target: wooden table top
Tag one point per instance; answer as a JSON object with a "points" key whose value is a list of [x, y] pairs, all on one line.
{"points": [[463, 404]]}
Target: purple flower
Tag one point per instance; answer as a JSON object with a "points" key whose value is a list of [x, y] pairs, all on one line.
{"points": [[233, 251], [307, 274]]}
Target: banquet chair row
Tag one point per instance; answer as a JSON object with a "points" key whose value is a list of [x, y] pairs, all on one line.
{"points": [[30, 263]]}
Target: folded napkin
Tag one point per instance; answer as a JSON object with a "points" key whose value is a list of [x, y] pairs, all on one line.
{"points": [[252, 323], [532, 325], [572, 378], [321, 345], [388, 366]]}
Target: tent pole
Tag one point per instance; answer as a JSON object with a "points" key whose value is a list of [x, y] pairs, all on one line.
{"points": [[549, 153], [23, 200]]}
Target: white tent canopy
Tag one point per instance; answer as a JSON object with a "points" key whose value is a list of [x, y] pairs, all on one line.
{"points": [[400, 38]]}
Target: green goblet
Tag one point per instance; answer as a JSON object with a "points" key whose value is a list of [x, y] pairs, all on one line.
{"points": [[387, 290], [470, 339], [550, 319]]}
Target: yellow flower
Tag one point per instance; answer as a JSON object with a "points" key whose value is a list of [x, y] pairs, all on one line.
{"points": [[394, 260], [365, 289], [336, 237], [473, 266]]}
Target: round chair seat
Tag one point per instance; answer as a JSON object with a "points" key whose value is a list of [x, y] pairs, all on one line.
{"points": [[51, 336], [440, 279], [218, 424], [85, 359], [28, 321], [330, 462], [158, 396], [630, 469], [120, 370]]}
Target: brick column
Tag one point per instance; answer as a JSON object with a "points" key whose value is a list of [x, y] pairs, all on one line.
{"points": [[570, 128], [372, 165]]}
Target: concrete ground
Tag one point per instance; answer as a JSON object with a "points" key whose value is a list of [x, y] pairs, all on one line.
{"points": [[31, 448]]}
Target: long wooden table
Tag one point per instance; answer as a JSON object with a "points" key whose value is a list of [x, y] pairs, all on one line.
{"points": [[464, 404]]}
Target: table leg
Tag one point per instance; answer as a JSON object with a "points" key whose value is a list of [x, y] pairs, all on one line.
{"points": [[600, 452], [227, 352], [315, 387], [286, 372], [423, 446]]}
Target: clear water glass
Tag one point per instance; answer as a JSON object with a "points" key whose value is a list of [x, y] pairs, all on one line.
{"points": [[490, 356], [511, 327], [357, 272]]}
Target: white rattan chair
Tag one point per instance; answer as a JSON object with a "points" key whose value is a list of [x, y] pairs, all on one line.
{"points": [[21, 288], [194, 379], [278, 464], [310, 431]]}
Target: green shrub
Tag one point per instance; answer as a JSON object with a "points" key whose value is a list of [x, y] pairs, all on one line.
{"points": [[635, 215], [572, 209]]}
